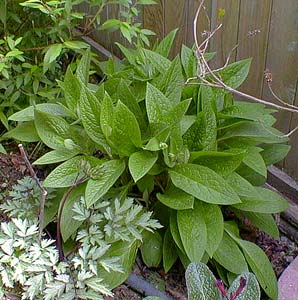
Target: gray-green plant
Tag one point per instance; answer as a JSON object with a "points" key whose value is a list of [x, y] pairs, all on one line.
{"points": [[202, 285], [192, 153]]}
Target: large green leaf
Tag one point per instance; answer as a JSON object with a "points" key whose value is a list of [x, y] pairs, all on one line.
{"points": [[151, 249], [140, 163], [24, 132], [157, 104], [266, 201], [189, 61], [159, 62], [170, 255], [56, 156], [90, 115], [68, 173], [125, 135], [203, 183], [193, 232], [241, 186], [27, 114], [126, 96], [274, 153], [235, 74], [223, 163], [172, 81], [175, 198], [254, 160], [83, 67], [264, 222], [52, 130], [214, 224], [105, 175], [261, 267], [69, 224], [253, 131], [165, 46], [230, 256], [127, 252], [71, 87]]}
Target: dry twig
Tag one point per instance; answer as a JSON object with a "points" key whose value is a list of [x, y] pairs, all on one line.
{"points": [[42, 189]]}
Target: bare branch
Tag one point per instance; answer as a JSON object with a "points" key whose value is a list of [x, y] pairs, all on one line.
{"points": [[204, 69], [42, 189]]}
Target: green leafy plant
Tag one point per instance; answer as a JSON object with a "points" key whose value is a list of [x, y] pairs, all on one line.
{"points": [[39, 38], [188, 152]]}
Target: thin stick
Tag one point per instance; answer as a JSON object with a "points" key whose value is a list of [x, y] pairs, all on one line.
{"points": [[42, 189], [203, 64]]}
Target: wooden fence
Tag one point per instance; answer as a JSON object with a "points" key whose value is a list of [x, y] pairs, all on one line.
{"points": [[274, 48]]}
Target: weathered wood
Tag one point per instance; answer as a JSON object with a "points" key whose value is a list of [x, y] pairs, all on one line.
{"points": [[254, 15], [153, 18], [225, 39], [175, 12], [282, 62], [290, 231]]}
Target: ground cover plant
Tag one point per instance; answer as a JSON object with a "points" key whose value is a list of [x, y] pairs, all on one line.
{"points": [[191, 153]]}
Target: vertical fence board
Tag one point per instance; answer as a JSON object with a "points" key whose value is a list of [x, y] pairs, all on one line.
{"points": [[154, 18], [175, 12], [254, 14], [282, 62], [226, 38]]}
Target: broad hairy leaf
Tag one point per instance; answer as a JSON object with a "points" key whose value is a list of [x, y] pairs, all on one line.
{"points": [[235, 74], [71, 87], [56, 156], [265, 201], [25, 132], [214, 225], [105, 175], [250, 291], [193, 232], [123, 132], [151, 249], [254, 160], [165, 46], [172, 81], [200, 282], [90, 113], [170, 255], [203, 183], [263, 221], [176, 199], [140, 163], [188, 61], [159, 62], [274, 153], [261, 267], [223, 163], [52, 130], [230, 256], [27, 114], [67, 173]]}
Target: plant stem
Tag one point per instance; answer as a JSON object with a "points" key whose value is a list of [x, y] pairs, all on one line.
{"points": [[42, 189], [63, 201]]}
